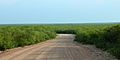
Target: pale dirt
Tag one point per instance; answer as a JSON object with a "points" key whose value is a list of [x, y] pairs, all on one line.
{"points": [[61, 48]]}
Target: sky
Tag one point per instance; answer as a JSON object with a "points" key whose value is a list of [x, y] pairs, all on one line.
{"points": [[59, 11]]}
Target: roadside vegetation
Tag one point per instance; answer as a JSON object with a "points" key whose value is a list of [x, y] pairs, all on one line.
{"points": [[19, 36], [103, 36], [106, 38]]}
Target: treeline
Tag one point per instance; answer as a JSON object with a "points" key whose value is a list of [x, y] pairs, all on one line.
{"points": [[103, 36], [19, 36], [106, 38]]}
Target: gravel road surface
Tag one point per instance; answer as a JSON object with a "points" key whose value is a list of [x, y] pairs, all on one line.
{"points": [[61, 48]]}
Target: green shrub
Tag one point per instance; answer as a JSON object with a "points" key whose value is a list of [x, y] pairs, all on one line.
{"points": [[19, 36], [106, 39], [6, 41], [115, 51], [112, 34], [104, 36]]}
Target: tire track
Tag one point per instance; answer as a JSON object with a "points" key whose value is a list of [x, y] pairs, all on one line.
{"points": [[61, 48]]}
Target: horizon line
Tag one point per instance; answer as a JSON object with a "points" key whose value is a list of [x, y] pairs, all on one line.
{"points": [[62, 23]]}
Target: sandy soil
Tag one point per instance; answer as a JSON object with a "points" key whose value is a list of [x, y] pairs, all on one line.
{"points": [[61, 48]]}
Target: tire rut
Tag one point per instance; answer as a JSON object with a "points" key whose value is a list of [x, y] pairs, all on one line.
{"points": [[61, 48]]}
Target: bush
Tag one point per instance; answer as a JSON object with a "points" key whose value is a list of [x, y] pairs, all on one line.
{"points": [[104, 36], [6, 41], [115, 51], [19, 36], [66, 32], [106, 39]]}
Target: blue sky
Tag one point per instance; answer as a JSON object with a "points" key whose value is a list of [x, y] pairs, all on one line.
{"points": [[59, 11]]}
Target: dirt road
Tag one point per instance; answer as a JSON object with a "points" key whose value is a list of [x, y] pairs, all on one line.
{"points": [[61, 48]]}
